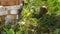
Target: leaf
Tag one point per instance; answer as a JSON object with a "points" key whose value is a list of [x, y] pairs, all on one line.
{"points": [[18, 32], [11, 31], [57, 30]]}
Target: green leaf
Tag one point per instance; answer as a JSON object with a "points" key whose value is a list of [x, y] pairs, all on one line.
{"points": [[57, 30], [11, 31]]}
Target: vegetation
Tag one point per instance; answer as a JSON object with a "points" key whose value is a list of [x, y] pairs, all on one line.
{"points": [[47, 24]]}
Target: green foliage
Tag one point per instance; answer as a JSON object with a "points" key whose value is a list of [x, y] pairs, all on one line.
{"points": [[48, 23], [11, 31], [57, 31]]}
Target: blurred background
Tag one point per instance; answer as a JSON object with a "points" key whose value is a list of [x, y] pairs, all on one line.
{"points": [[37, 17]]}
